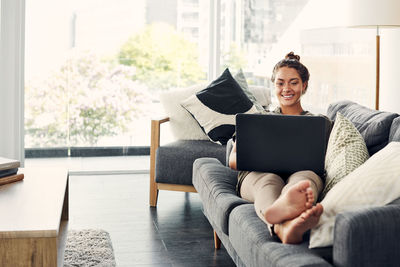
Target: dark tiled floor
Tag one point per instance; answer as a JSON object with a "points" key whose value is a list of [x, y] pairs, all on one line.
{"points": [[176, 233]]}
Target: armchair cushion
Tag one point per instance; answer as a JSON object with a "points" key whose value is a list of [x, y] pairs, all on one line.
{"points": [[174, 160], [182, 124], [215, 107]]}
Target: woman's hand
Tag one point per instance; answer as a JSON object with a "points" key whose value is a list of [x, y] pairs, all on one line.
{"points": [[232, 156]]}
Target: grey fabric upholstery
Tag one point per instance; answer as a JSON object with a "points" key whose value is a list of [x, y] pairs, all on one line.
{"points": [[229, 147], [225, 240], [373, 125], [395, 130], [252, 242], [174, 161], [216, 185], [395, 202], [368, 237]]}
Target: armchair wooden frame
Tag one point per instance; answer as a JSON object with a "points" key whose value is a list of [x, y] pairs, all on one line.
{"points": [[154, 145]]}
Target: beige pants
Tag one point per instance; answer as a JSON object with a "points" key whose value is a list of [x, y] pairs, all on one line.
{"points": [[264, 188]]}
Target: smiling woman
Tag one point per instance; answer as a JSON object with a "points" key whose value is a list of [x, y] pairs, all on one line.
{"points": [[285, 204], [290, 78]]}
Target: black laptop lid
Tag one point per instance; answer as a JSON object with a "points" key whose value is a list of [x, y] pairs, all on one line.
{"points": [[281, 144]]}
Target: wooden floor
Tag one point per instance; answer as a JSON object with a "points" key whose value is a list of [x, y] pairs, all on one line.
{"points": [[176, 233]]}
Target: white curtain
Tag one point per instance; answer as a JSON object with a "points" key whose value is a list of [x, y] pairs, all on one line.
{"points": [[12, 79]]}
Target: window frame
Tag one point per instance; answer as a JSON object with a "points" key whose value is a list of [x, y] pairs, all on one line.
{"points": [[12, 44]]}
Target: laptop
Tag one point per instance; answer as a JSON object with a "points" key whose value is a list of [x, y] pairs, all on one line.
{"points": [[281, 144]]}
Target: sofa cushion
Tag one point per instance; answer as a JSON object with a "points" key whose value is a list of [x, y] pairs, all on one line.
{"points": [[373, 125], [375, 183], [215, 107], [395, 130], [254, 245], [216, 185], [346, 151], [174, 161]]}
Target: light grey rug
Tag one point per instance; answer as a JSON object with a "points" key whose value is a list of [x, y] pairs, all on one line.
{"points": [[89, 247]]}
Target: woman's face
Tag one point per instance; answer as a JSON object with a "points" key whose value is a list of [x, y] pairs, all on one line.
{"points": [[288, 86]]}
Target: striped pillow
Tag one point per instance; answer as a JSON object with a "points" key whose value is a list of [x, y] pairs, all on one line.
{"points": [[215, 107], [346, 151]]}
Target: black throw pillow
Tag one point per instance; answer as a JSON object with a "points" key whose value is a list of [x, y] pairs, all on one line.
{"points": [[215, 107]]}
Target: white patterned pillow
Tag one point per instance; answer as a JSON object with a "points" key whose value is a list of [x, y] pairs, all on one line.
{"points": [[182, 124], [346, 151], [375, 183]]}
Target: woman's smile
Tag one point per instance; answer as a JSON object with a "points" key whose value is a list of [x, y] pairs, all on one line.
{"points": [[288, 97]]}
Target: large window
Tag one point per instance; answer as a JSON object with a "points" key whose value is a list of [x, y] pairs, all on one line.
{"points": [[95, 68]]}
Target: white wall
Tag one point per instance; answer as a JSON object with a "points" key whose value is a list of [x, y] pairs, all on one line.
{"points": [[11, 79], [390, 70]]}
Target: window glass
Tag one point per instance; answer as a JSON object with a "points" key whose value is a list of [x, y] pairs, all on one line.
{"points": [[342, 66], [95, 68], [256, 34], [249, 31]]}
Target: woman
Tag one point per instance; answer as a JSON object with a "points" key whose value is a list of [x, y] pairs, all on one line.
{"points": [[285, 204]]}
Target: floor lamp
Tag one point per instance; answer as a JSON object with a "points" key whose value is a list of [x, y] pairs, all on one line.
{"points": [[374, 14]]}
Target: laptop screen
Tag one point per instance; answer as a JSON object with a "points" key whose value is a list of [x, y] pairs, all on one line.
{"points": [[281, 144]]}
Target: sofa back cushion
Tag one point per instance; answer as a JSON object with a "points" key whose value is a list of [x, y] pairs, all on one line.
{"points": [[395, 131], [373, 125]]}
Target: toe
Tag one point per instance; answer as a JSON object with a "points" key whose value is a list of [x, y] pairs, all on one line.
{"points": [[303, 185], [319, 209], [310, 195]]}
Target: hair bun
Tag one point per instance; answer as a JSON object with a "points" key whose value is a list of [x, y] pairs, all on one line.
{"points": [[291, 55]]}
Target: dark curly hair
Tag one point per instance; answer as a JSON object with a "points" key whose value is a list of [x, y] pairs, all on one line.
{"points": [[292, 61]]}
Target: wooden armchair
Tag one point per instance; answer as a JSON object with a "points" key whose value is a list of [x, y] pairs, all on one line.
{"points": [[171, 164]]}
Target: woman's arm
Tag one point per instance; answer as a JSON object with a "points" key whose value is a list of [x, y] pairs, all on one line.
{"points": [[232, 156]]}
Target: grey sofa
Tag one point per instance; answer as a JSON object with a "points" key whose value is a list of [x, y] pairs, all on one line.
{"points": [[368, 237]]}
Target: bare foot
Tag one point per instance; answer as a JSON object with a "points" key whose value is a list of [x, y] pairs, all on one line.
{"points": [[291, 232], [291, 204]]}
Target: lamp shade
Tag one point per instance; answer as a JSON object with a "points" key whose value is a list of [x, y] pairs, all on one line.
{"points": [[373, 13]]}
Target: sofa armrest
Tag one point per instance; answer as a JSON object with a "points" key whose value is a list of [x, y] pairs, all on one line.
{"points": [[154, 144], [368, 237]]}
